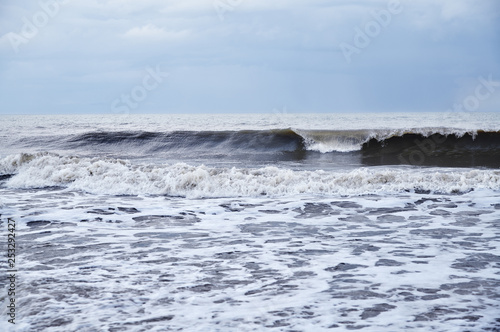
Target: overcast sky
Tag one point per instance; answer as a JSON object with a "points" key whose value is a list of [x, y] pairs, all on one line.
{"points": [[163, 56]]}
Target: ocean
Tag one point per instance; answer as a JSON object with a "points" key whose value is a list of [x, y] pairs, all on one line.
{"points": [[250, 222]]}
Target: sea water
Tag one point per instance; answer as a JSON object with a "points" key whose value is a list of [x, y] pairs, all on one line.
{"points": [[252, 222]]}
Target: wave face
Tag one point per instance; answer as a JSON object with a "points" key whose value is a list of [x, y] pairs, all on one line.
{"points": [[471, 149], [118, 177], [443, 147], [323, 141], [247, 140]]}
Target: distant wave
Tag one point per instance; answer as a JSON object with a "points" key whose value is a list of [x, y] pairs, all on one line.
{"points": [[118, 177]]}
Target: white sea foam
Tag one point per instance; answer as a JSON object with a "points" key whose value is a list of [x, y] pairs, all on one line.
{"points": [[309, 263], [114, 176], [353, 140]]}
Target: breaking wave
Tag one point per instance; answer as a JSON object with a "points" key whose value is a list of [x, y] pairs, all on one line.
{"points": [[323, 141], [444, 147], [119, 177]]}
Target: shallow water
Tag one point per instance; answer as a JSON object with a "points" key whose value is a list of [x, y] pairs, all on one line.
{"points": [[135, 263]]}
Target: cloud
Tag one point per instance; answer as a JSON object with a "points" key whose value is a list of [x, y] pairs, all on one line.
{"points": [[455, 14], [455, 9], [152, 33], [263, 55]]}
